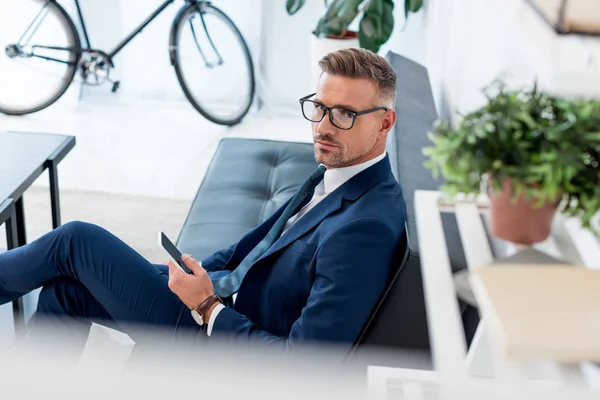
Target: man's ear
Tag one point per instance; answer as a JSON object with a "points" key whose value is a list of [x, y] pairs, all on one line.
{"points": [[388, 121]]}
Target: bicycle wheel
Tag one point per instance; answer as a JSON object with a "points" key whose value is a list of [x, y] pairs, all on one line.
{"points": [[39, 48], [213, 64]]}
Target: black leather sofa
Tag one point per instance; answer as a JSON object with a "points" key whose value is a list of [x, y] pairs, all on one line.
{"points": [[249, 179]]}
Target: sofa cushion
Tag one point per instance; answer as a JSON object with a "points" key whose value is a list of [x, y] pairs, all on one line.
{"points": [[246, 181]]}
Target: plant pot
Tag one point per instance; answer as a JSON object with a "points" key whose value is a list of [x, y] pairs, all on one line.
{"points": [[519, 221], [323, 46]]}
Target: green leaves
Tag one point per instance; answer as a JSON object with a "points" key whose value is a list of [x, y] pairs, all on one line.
{"points": [[292, 6], [376, 25], [549, 146], [338, 17], [412, 6]]}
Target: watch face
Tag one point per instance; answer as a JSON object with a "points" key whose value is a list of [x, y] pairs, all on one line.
{"points": [[197, 317]]}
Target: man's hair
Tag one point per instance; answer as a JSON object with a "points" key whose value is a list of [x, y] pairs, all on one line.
{"points": [[363, 64]]}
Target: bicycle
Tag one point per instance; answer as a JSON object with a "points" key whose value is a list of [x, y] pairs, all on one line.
{"points": [[44, 53]]}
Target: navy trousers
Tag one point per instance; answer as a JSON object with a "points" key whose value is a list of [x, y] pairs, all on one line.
{"points": [[89, 275]]}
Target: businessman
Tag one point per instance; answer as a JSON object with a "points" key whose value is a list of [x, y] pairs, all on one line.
{"points": [[311, 273]]}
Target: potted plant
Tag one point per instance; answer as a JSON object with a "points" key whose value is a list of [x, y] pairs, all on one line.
{"points": [[332, 32], [375, 27], [535, 153]]}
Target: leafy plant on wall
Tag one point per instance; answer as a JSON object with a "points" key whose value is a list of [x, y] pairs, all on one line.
{"points": [[376, 24]]}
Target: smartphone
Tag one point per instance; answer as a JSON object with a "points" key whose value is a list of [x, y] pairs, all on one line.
{"points": [[175, 254]]}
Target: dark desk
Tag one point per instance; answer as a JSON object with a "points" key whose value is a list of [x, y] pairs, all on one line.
{"points": [[8, 217], [23, 158]]}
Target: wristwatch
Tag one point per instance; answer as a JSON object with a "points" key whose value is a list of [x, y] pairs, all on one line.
{"points": [[198, 312]]}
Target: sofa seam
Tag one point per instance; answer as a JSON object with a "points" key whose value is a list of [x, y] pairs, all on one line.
{"points": [[269, 186]]}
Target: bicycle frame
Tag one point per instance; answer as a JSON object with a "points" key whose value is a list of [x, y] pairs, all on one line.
{"points": [[136, 31], [133, 34], [124, 42]]}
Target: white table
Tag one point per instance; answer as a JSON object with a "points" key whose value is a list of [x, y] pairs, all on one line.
{"points": [[482, 364]]}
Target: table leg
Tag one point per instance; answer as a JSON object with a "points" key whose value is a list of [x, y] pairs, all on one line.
{"points": [[20, 222], [54, 195], [13, 240]]}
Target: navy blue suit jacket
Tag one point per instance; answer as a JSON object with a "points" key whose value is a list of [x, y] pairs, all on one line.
{"points": [[319, 281]]}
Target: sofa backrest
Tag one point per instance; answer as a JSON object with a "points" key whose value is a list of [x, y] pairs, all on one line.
{"points": [[399, 319], [416, 114]]}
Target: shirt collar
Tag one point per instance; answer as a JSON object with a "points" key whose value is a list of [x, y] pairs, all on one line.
{"points": [[336, 177]]}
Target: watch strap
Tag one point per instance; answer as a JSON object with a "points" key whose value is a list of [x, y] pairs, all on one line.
{"points": [[207, 304]]}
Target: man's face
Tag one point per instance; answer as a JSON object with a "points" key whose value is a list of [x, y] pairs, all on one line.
{"points": [[336, 147]]}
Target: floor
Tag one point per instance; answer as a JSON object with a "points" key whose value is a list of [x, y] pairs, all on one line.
{"points": [[147, 149]]}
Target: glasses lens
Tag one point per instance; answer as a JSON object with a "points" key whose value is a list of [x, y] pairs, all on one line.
{"points": [[342, 118], [312, 111]]}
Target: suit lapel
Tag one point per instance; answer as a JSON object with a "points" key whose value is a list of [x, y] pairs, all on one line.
{"points": [[318, 213], [351, 190]]}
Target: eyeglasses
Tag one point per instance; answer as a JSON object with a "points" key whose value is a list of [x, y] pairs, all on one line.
{"points": [[340, 117]]}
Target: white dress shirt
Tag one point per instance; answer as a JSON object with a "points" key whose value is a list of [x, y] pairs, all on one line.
{"points": [[333, 179]]}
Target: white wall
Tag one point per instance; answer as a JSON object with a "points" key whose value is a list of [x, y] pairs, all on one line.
{"points": [[466, 44], [285, 63], [408, 36], [463, 43]]}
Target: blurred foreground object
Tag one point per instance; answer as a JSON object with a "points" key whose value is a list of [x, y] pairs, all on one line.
{"points": [[570, 16]]}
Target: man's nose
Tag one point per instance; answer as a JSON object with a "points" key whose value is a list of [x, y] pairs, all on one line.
{"points": [[325, 126]]}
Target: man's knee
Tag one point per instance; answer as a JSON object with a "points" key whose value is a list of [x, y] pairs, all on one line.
{"points": [[77, 228], [80, 231]]}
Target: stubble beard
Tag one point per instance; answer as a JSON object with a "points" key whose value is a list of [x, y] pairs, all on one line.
{"points": [[329, 158], [335, 159]]}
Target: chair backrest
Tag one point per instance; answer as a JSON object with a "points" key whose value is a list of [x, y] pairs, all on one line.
{"points": [[398, 318], [395, 334], [373, 330]]}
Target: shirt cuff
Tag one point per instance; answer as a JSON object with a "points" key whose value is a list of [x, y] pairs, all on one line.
{"points": [[213, 317]]}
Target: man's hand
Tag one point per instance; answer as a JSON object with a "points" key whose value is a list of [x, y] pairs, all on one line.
{"points": [[191, 289]]}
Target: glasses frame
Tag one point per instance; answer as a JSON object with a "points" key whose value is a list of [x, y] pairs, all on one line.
{"points": [[328, 111]]}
